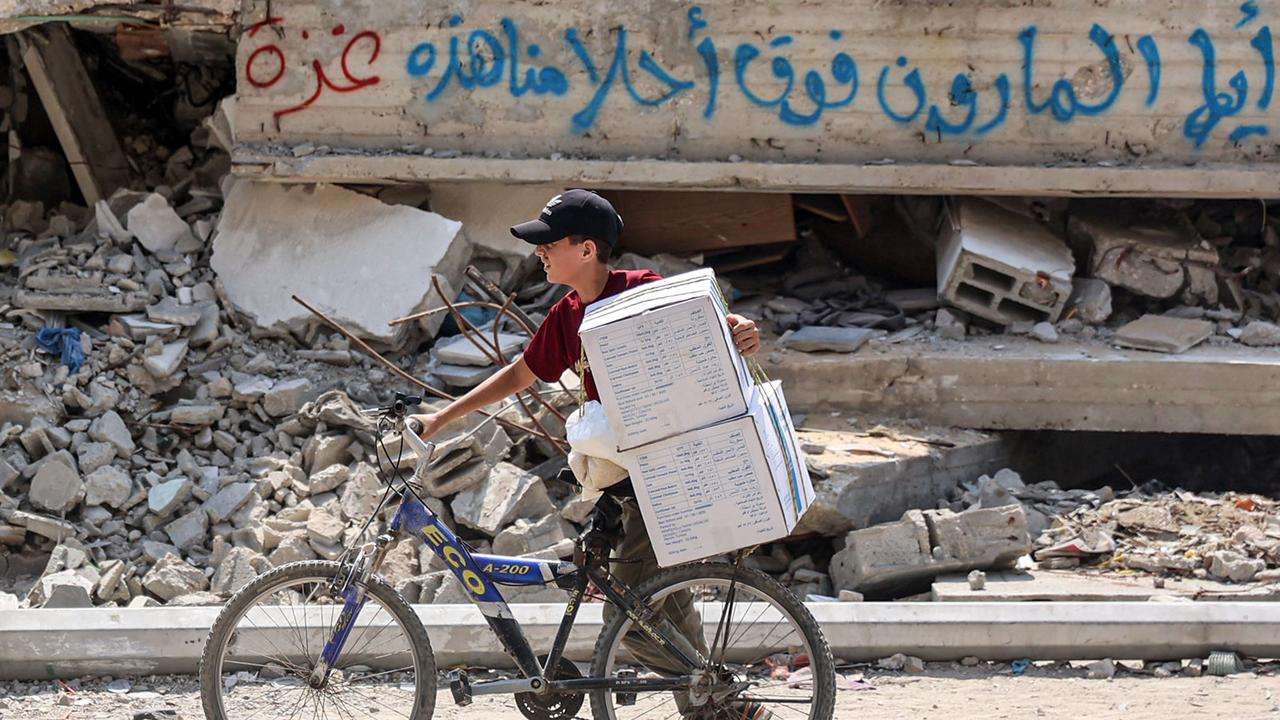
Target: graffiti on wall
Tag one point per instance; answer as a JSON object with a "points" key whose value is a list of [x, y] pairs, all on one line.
{"points": [[762, 74]]}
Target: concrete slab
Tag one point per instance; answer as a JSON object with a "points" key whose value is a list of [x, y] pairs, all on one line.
{"points": [[1163, 334], [329, 245], [116, 641], [487, 211], [866, 476], [1010, 383]]}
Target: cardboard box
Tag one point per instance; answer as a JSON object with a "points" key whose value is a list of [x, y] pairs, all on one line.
{"points": [[738, 483], [663, 359]]}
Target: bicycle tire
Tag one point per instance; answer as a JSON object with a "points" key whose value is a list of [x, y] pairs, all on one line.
{"points": [[823, 665], [210, 669]]}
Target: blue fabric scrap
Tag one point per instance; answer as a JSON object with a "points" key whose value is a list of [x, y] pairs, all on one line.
{"points": [[64, 342]]}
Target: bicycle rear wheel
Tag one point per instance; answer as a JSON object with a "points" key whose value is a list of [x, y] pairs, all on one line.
{"points": [[258, 658], [767, 628]]}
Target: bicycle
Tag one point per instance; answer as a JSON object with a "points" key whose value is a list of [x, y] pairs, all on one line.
{"points": [[307, 631]]}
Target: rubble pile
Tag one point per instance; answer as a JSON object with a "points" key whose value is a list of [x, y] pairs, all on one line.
{"points": [[1085, 270], [158, 446], [1228, 537]]}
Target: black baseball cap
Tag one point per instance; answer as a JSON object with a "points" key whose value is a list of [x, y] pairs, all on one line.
{"points": [[573, 212]]}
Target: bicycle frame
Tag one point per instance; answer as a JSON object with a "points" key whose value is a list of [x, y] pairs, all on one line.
{"points": [[480, 575]]}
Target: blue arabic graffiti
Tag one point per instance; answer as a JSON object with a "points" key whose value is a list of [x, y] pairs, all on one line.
{"points": [[765, 75]]}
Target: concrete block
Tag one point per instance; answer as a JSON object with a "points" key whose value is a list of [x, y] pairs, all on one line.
{"points": [[1002, 266], [156, 225], [171, 577], [1154, 257], [327, 245], [896, 557], [508, 494], [56, 488], [884, 553], [980, 538]]}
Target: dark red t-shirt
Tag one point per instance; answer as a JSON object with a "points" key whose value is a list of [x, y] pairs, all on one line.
{"points": [[556, 346]]}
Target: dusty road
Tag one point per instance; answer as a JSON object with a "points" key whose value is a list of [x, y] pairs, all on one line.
{"points": [[942, 692]]}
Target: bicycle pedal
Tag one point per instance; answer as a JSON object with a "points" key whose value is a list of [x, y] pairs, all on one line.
{"points": [[625, 698], [460, 686]]}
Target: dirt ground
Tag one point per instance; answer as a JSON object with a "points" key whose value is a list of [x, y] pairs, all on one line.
{"points": [[943, 692]]}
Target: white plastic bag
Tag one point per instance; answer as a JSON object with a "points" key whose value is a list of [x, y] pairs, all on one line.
{"points": [[593, 455]]}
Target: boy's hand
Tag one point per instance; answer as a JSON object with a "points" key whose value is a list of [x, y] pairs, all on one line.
{"points": [[431, 424], [746, 336]]}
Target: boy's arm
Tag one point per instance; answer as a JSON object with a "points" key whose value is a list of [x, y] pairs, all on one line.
{"points": [[508, 381]]}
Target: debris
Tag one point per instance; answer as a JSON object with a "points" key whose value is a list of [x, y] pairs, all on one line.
{"points": [[1260, 333], [949, 325], [977, 580], [1160, 333], [1101, 670], [825, 339], [1044, 332], [1223, 662]]}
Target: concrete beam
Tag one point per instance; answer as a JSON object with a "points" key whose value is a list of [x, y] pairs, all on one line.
{"points": [[75, 111], [1010, 383], [43, 644], [1204, 180]]}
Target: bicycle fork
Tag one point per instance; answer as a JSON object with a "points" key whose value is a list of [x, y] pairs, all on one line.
{"points": [[354, 597]]}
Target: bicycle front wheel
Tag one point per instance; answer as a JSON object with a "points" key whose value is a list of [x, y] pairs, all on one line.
{"points": [[767, 656], [260, 653]]}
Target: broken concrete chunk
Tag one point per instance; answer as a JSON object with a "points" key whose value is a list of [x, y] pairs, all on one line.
{"points": [[167, 361], [1260, 333], [1090, 300], [156, 225], [172, 576], [43, 525], [526, 536], [199, 415], [56, 488], [94, 455], [169, 311], [459, 350], [109, 427], [463, 376], [237, 569], [816, 338], [1150, 257], [108, 486], [229, 499], [325, 528], [190, 530], [330, 478], [287, 397], [1160, 333], [508, 493], [168, 496], [922, 545]]}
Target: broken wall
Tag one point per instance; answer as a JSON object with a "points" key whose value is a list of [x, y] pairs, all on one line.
{"points": [[1104, 86]]}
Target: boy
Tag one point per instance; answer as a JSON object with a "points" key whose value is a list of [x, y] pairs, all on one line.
{"points": [[575, 234]]}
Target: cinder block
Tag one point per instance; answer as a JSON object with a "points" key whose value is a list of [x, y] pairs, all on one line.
{"points": [[1002, 266], [898, 556]]}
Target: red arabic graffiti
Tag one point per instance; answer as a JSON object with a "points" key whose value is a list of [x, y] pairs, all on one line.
{"points": [[267, 65]]}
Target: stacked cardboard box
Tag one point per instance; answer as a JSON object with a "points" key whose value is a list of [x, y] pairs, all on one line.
{"points": [[712, 455]]}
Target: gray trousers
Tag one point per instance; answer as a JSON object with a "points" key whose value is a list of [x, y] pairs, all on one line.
{"points": [[678, 607]]}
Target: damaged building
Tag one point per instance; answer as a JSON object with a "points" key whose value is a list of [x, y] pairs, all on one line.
{"points": [[1026, 309]]}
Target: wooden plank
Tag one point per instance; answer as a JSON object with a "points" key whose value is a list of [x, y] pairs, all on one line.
{"points": [[824, 206], [691, 222], [75, 111]]}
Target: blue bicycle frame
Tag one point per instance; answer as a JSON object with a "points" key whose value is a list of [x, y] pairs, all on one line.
{"points": [[480, 574]]}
